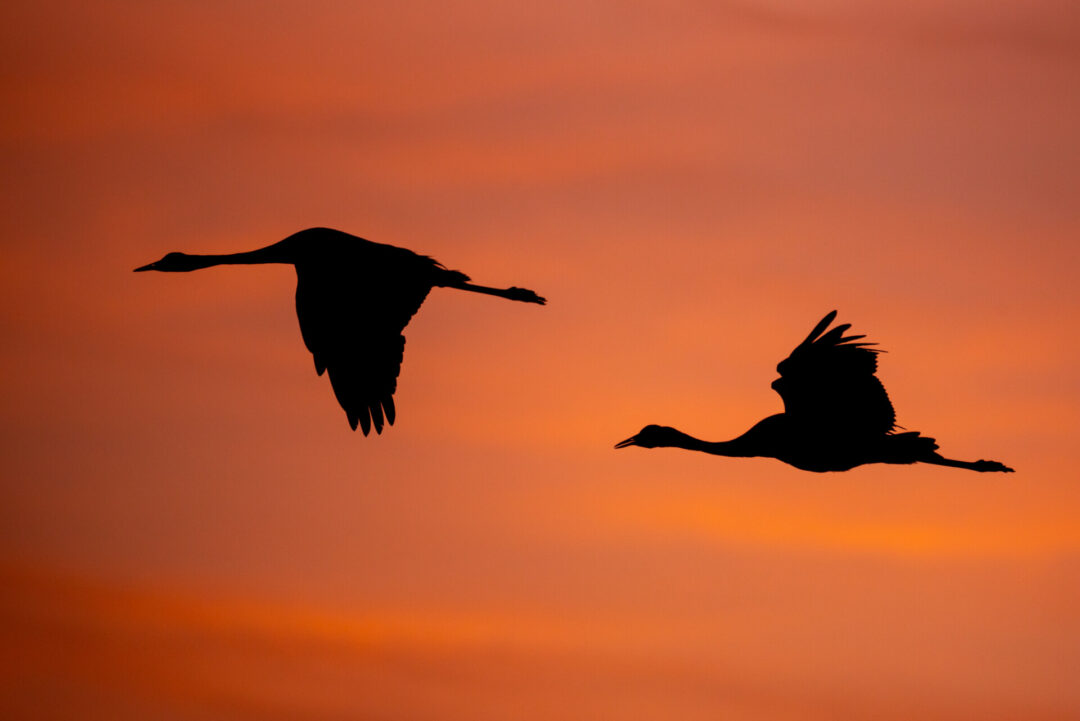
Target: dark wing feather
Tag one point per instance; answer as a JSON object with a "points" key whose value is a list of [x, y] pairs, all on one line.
{"points": [[351, 316], [828, 383]]}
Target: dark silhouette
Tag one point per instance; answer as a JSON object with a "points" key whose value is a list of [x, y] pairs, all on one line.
{"points": [[353, 299], [836, 414]]}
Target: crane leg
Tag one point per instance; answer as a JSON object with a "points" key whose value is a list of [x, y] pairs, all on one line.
{"points": [[521, 294], [980, 465]]}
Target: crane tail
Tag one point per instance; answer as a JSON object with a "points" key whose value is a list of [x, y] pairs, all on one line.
{"points": [[452, 278], [908, 447]]}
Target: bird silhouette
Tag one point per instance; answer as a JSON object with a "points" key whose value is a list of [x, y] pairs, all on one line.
{"points": [[353, 298], [836, 416]]}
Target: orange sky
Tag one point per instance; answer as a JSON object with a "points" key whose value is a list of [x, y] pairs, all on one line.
{"points": [[190, 530]]}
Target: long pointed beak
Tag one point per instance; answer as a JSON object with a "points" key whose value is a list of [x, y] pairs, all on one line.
{"points": [[148, 266], [631, 441]]}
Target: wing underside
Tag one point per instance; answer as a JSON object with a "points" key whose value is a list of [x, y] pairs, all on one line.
{"points": [[352, 325]]}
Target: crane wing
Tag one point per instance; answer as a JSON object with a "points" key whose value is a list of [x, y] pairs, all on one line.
{"points": [[828, 383], [352, 320]]}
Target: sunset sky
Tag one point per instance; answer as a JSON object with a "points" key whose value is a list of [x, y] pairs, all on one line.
{"points": [[189, 530]]}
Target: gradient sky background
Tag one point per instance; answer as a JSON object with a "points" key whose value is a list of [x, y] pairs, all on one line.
{"points": [[189, 530]]}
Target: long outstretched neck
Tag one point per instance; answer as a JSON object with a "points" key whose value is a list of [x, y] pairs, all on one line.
{"points": [[734, 448], [252, 257]]}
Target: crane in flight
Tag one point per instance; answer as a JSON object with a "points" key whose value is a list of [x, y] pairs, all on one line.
{"points": [[353, 299], [836, 416]]}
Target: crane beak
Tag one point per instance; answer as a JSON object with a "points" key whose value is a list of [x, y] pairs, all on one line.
{"points": [[631, 441], [149, 266]]}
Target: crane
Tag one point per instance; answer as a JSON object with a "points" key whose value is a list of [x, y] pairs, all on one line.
{"points": [[836, 416], [354, 298]]}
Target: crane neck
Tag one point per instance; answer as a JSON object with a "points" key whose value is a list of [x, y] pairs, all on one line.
{"points": [[270, 254], [736, 448]]}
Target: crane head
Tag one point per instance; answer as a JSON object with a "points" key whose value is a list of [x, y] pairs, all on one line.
{"points": [[172, 263], [651, 436]]}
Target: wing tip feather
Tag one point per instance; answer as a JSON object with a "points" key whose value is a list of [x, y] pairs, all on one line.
{"points": [[820, 327]]}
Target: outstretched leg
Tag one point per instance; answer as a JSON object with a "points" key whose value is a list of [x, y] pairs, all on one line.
{"points": [[981, 466], [522, 294]]}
